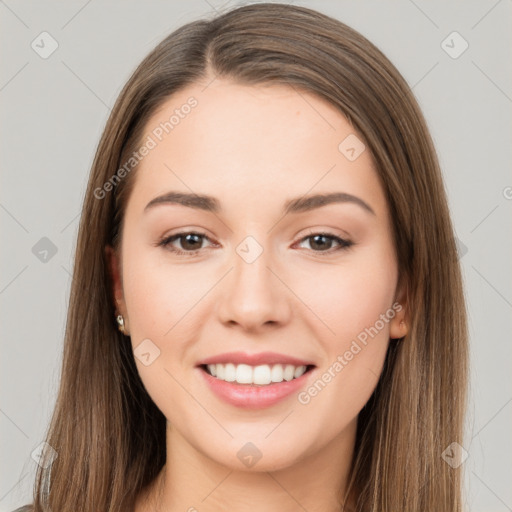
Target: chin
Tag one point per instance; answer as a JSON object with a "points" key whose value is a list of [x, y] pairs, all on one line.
{"points": [[258, 456]]}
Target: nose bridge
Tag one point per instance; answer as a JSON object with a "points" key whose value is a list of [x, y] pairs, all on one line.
{"points": [[251, 264], [254, 296]]}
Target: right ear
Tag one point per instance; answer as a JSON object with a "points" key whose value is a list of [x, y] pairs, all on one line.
{"points": [[114, 267]]}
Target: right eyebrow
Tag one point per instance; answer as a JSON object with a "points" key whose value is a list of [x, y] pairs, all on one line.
{"points": [[201, 202]]}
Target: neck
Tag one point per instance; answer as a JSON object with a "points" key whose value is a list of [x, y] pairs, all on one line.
{"points": [[191, 481]]}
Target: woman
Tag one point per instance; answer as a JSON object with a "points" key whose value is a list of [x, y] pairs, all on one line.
{"points": [[267, 309]]}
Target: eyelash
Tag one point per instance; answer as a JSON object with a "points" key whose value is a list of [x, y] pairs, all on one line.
{"points": [[344, 244]]}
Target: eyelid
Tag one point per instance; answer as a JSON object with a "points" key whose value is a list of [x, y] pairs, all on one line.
{"points": [[334, 232], [343, 242], [166, 240]]}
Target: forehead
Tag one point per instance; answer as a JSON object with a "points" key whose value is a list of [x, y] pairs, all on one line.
{"points": [[226, 138]]}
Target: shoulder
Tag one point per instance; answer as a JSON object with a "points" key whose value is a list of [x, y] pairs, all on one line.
{"points": [[26, 508]]}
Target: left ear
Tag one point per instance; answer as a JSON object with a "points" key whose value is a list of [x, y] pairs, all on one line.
{"points": [[399, 324]]}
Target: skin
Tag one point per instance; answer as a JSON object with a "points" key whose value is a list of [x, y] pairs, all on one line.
{"points": [[253, 148]]}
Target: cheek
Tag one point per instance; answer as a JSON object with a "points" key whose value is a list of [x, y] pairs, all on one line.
{"points": [[161, 299], [354, 304], [351, 296], [160, 296], [166, 303]]}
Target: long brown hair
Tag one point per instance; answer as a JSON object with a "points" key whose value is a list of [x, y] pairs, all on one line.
{"points": [[109, 435]]}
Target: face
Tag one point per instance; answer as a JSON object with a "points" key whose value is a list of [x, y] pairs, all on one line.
{"points": [[257, 315]]}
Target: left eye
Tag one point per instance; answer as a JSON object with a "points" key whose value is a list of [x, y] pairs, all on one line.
{"points": [[321, 239]]}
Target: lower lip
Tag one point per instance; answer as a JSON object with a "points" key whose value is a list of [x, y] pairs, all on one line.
{"points": [[248, 396]]}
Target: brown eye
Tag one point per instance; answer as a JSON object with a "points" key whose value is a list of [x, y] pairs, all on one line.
{"points": [[190, 242], [323, 242]]}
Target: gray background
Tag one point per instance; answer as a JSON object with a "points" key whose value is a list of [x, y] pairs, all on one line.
{"points": [[53, 112]]}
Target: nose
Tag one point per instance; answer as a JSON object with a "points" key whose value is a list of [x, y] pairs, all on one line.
{"points": [[254, 296]]}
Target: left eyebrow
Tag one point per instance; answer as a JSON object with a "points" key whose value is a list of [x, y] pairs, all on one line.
{"points": [[307, 203]]}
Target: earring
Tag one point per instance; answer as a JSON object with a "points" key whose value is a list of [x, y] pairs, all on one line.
{"points": [[120, 322]]}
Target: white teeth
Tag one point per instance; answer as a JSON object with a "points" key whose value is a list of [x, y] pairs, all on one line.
{"points": [[277, 373], [261, 375], [289, 370], [230, 372], [244, 374], [299, 371]]}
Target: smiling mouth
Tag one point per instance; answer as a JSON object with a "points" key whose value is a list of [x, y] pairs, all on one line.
{"points": [[260, 375]]}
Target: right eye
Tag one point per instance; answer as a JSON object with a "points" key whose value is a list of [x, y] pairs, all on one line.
{"points": [[189, 240]]}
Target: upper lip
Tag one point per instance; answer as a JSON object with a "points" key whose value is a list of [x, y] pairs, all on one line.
{"points": [[254, 359]]}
